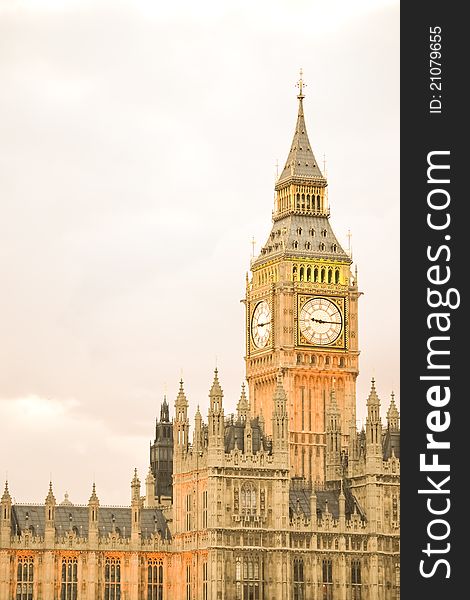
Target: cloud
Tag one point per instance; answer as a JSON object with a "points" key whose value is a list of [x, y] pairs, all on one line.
{"points": [[137, 151], [68, 442]]}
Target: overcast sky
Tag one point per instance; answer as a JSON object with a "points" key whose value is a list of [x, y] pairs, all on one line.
{"points": [[138, 142]]}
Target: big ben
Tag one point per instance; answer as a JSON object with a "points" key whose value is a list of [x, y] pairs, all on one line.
{"points": [[301, 312]]}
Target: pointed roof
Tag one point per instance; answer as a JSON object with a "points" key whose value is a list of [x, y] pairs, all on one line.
{"points": [[135, 480], [242, 406], [181, 399], [392, 414], [373, 398], [301, 162], [216, 390], [93, 498], [50, 498], [301, 231], [164, 411], [150, 476], [6, 494]]}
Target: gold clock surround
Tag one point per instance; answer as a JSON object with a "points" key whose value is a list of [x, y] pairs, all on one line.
{"points": [[339, 302], [261, 313]]}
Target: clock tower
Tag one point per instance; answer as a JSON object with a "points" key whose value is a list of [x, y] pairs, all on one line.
{"points": [[301, 313]]}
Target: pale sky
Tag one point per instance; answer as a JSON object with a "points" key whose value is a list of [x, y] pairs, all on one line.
{"points": [[137, 148]]}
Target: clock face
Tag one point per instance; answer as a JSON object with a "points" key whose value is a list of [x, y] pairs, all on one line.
{"points": [[320, 321], [261, 324]]}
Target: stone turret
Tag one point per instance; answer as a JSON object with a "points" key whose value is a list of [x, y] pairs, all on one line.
{"points": [[136, 505], [393, 416], [373, 427], [164, 411], [93, 517], [50, 505], [181, 421], [150, 490], [161, 451], [5, 517], [243, 407], [216, 420]]}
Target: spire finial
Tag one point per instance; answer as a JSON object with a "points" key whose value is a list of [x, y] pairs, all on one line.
{"points": [[349, 243], [253, 243], [300, 84]]}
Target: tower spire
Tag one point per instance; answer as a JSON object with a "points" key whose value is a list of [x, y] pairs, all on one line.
{"points": [[181, 421], [6, 493], [373, 423], [301, 165], [216, 421], [243, 406], [393, 416]]}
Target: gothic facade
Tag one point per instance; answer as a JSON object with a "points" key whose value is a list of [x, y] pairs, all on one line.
{"points": [[284, 500]]}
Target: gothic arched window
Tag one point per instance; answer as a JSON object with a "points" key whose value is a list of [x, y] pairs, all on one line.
{"points": [[69, 579], [298, 580]]}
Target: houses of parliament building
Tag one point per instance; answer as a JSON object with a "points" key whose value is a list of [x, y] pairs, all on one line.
{"points": [[284, 500]]}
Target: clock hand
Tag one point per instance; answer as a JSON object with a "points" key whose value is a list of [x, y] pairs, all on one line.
{"points": [[263, 324], [329, 322]]}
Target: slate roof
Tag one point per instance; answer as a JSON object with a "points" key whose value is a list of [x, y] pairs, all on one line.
{"points": [[301, 162], [300, 499], [32, 516], [391, 440], [235, 436], [285, 232]]}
